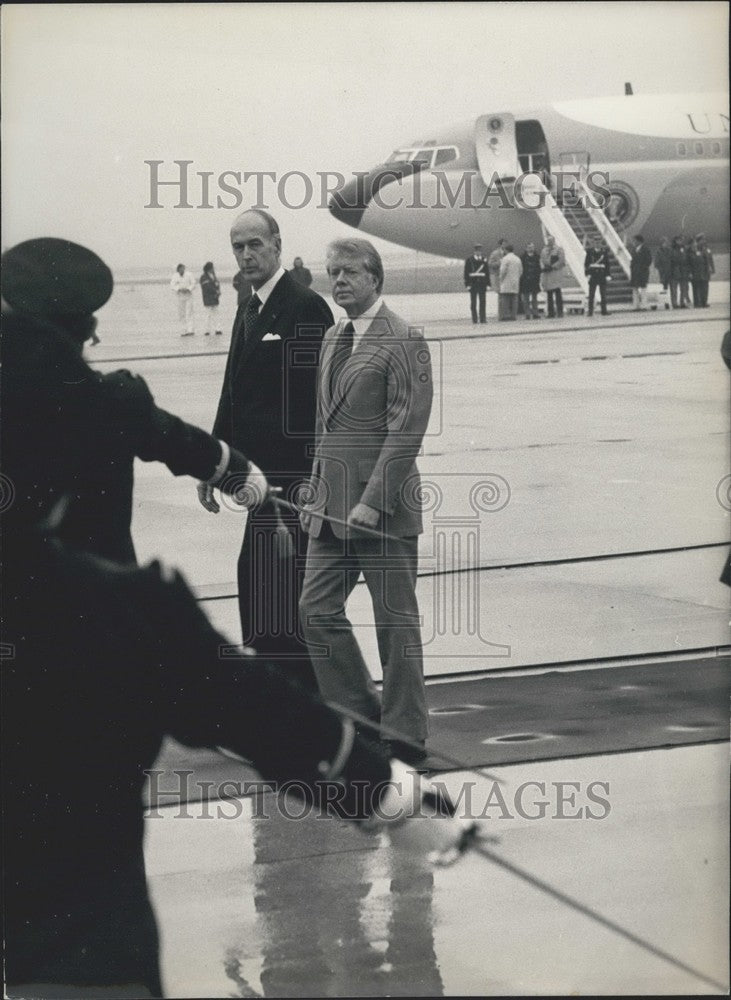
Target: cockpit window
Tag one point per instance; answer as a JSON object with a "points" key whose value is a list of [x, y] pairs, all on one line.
{"points": [[444, 155], [428, 157]]}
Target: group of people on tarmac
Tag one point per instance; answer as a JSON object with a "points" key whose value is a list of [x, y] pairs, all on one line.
{"points": [[683, 264], [184, 284], [517, 280]]}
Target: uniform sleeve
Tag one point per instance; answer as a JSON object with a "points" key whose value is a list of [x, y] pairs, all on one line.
{"points": [[154, 435], [215, 696]]}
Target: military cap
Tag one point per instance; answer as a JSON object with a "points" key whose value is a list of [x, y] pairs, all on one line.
{"points": [[55, 278]]}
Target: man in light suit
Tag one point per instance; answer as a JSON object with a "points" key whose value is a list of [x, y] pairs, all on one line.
{"points": [[268, 401], [374, 400]]}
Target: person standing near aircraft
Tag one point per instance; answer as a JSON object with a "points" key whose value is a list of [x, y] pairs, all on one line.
{"points": [[242, 287], [596, 268], [493, 266], [663, 265], [477, 280], [686, 279], [701, 268], [531, 281], [374, 401], [183, 283], [211, 292], [267, 410], [51, 289], [511, 271], [553, 261], [301, 274], [677, 272], [640, 262]]}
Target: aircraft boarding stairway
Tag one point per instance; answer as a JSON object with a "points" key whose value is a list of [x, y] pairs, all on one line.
{"points": [[571, 226], [618, 289]]}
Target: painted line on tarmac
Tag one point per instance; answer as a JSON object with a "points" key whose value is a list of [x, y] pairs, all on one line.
{"points": [[564, 561], [524, 332], [460, 336], [155, 357]]}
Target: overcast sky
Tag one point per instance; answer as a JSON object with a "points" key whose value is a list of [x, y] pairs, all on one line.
{"points": [[92, 91]]}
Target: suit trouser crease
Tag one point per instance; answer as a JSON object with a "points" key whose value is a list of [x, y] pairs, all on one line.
{"points": [[342, 674]]}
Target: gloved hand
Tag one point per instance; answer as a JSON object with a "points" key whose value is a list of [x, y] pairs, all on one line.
{"points": [[243, 481], [250, 493], [420, 818]]}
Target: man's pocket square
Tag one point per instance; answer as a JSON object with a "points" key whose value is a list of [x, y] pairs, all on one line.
{"points": [[271, 336]]}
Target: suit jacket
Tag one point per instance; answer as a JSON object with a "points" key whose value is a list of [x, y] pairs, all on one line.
{"points": [[511, 270], [267, 404], [370, 429], [640, 262], [553, 261]]}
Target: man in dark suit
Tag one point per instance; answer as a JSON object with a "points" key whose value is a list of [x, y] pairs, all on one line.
{"points": [[52, 289], [374, 400], [477, 280], [639, 272], [267, 407]]}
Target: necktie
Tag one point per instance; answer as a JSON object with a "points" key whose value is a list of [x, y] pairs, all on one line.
{"points": [[251, 314], [341, 354]]}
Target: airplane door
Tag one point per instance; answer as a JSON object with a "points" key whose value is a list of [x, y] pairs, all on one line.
{"points": [[496, 147]]}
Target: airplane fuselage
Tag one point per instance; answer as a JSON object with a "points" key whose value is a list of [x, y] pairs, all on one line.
{"points": [[659, 164]]}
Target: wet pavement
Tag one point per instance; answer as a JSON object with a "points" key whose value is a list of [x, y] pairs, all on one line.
{"points": [[259, 903]]}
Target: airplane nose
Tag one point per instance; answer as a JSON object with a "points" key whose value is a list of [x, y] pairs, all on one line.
{"points": [[350, 202]]}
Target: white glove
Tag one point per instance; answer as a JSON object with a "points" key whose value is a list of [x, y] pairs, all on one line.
{"points": [[253, 491], [419, 818]]}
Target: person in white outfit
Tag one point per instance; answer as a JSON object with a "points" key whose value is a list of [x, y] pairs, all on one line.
{"points": [[182, 284], [511, 270]]}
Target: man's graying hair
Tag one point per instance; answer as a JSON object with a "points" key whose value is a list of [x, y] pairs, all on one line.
{"points": [[364, 251], [269, 219]]}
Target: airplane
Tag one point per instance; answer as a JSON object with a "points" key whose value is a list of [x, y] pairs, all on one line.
{"points": [[651, 164]]}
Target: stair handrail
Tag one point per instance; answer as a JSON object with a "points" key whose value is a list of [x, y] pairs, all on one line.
{"points": [[609, 234], [554, 222]]}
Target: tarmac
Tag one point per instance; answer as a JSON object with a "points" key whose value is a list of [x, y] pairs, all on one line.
{"points": [[579, 477], [577, 469]]}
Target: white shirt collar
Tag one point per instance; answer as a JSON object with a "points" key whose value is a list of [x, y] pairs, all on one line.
{"points": [[267, 288], [362, 322]]}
